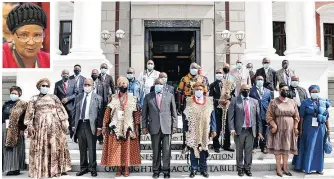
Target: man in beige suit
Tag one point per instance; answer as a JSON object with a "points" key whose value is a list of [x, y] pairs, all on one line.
{"points": [[285, 73], [241, 76]]}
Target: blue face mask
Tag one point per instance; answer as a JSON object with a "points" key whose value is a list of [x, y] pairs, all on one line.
{"points": [[44, 90], [239, 65], [129, 76], [164, 80], [266, 66], [314, 95], [13, 97], [150, 67], [158, 88], [199, 93], [259, 83], [193, 71], [219, 76]]}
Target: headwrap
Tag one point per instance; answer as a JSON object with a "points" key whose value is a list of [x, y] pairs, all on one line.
{"points": [[122, 80], [312, 87], [39, 83], [26, 14]]}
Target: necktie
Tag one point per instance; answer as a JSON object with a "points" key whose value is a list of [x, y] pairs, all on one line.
{"points": [[159, 100], [83, 109], [103, 78], [65, 87], [246, 112]]}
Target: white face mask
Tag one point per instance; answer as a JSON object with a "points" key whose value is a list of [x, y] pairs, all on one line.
{"points": [[104, 71], [88, 89], [150, 67], [219, 76]]}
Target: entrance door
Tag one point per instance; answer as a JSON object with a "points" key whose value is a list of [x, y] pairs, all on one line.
{"points": [[172, 50]]}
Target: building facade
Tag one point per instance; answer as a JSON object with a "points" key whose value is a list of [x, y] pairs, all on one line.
{"points": [[175, 34]]}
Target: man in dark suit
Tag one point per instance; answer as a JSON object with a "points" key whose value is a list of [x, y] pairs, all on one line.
{"points": [[66, 91], [297, 92], [245, 124], [79, 80], [159, 118], [249, 67], [269, 75], [107, 79], [87, 124], [263, 96], [167, 87], [102, 90], [215, 91]]}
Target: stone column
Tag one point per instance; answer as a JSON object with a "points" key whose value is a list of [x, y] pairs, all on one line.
{"points": [[259, 30], [55, 44]]}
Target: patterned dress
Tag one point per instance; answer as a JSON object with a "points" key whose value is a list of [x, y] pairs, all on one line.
{"points": [[284, 114], [49, 155], [121, 152]]}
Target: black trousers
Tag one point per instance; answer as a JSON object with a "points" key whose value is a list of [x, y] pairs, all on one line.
{"points": [[257, 140], [161, 143], [87, 141], [69, 113], [227, 141]]}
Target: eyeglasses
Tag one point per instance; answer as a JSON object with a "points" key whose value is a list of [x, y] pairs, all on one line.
{"points": [[25, 38], [47, 86]]}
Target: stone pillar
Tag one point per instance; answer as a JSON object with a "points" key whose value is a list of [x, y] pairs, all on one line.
{"points": [[55, 44], [259, 30]]}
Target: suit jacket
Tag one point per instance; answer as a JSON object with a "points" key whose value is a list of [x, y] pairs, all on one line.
{"points": [[264, 102], [70, 94], [301, 92], [95, 112], [102, 90], [252, 77], [280, 75], [80, 83], [236, 115], [109, 82], [155, 118], [270, 81], [242, 78], [167, 87], [215, 91]]}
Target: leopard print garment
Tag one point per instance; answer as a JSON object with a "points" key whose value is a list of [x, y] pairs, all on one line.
{"points": [[199, 118], [122, 126], [13, 128]]}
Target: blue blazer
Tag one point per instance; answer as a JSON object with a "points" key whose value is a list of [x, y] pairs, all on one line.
{"points": [[264, 102]]}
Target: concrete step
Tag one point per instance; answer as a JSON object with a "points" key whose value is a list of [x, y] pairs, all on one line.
{"points": [[213, 165]]}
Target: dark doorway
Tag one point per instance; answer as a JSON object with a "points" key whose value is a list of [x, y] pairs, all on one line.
{"points": [[173, 50]]}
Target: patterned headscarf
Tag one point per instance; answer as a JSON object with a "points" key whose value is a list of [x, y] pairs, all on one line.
{"points": [[121, 80], [312, 87], [39, 83]]}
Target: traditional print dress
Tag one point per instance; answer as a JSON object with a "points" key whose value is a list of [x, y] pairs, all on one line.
{"points": [[284, 114], [311, 145], [121, 146], [13, 148], [49, 155]]}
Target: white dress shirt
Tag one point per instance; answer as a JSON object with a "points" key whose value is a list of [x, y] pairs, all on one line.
{"points": [[296, 98], [89, 97]]}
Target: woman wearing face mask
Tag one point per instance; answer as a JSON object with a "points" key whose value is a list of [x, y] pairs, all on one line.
{"points": [[13, 148], [47, 124], [121, 130], [26, 23], [314, 128], [200, 122], [282, 117]]}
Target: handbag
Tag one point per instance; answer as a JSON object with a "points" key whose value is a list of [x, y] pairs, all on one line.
{"points": [[328, 145]]}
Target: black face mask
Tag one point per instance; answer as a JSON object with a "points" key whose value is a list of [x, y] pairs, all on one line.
{"points": [[123, 89], [94, 77], [77, 72], [284, 94], [65, 78], [226, 70], [245, 93]]}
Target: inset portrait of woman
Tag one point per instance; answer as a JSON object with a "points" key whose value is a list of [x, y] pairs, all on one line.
{"points": [[27, 23]]}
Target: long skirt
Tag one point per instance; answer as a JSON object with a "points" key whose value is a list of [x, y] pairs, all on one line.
{"points": [[12, 160]]}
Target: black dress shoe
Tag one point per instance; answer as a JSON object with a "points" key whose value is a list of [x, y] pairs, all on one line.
{"points": [[101, 142], [287, 173], [248, 173], [94, 173], [265, 150], [155, 175], [82, 172], [216, 150], [229, 149], [64, 173], [166, 175], [192, 174], [205, 174], [241, 173]]}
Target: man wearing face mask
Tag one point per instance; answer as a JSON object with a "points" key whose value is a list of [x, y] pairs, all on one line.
{"points": [[245, 124], [107, 79], [297, 92], [159, 118], [134, 86], [185, 90], [241, 76], [79, 80], [206, 80], [284, 75], [167, 87], [215, 91], [269, 75], [147, 77], [263, 96], [66, 91], [87, 125], [249, 67]]}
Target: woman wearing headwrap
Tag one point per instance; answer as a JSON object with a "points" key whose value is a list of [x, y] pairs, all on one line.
{"points": [[26, 23], [46, 120], [121, 130], [282, 117], [314, 128], [13, 148]]}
